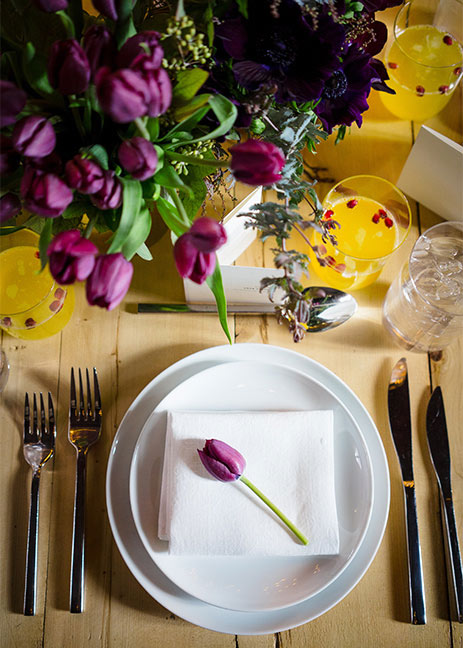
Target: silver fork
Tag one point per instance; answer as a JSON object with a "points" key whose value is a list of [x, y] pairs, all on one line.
{"points": [[39, 446], [84, 431]]}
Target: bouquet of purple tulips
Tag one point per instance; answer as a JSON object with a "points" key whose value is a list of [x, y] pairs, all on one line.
{"points": [[115, 117]]}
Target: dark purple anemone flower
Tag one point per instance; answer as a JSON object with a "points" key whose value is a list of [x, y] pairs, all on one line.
{"points": [[284, 52], [344, 97]]}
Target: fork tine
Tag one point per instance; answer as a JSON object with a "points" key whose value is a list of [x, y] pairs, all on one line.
{"points": [[35, 427], [43, 427], [81, 395], [96, 389], [51, 416], [27, 420], [89, 395], [73, 403]]}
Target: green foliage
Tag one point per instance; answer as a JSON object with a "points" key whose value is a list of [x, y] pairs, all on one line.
{"points": [[215, 283]]}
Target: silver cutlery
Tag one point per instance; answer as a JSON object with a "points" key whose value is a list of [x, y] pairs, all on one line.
{"points": [[328, 308], [401, 430], [84, 431], [436, 430], [38, 448]]}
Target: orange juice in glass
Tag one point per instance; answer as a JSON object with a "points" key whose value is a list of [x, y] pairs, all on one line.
{"points": [[32, 305], [374, 220], [425, 58]]}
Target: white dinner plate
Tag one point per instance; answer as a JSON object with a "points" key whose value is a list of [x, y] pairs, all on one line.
{"points": [[148, 574], [254, 583]]}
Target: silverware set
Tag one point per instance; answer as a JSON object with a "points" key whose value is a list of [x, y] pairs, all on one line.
{"points": [[436, 429], [85, 417]]}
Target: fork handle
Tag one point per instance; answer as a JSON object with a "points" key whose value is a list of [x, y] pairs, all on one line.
{"points": [[78, 537], [31, 553]]}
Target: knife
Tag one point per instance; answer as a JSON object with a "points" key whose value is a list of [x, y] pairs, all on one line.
{"points": [[401, 430], [438, 443]]}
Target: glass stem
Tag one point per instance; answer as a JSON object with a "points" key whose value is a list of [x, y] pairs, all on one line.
{"points": [[275, 509]]}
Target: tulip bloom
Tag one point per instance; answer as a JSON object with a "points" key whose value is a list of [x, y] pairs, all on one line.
{"points": [[138, 156], [34, 136], [99, 46], [109, 280], [68, 67], [13, 101], [71, 257], [123, 94], [194, 251], [158, 84], [50, 6], [84, 175], [10, 206], [257, 163], [106, 7], [110, 194], [227, 464], [44, 193], [137, 46]]}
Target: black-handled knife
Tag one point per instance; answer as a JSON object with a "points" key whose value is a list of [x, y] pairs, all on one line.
{"points": [[401, 430], [438, 443]]}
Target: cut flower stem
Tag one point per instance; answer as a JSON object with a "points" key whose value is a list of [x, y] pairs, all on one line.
{"points": [[275, 509]]}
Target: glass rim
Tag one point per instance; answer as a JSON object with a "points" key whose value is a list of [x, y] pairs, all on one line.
{"points": [[459, 226], [397, 190], [396, 33]]}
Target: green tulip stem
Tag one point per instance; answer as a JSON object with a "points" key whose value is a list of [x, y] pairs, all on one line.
{"points": [[142, 128], [179, 205], [276, 510], [197, 161]]}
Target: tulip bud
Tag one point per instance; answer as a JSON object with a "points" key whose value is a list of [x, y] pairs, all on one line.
{"points": [[109, 280], [44, 193], [13, 101], [158, 84], [84, 175], [34, 136], [194, 251], [99, 46], [9, 159], [110, 194], [106, 7], [50, 163], [122, 94], [222, 461], [132, 49], [68, 67], [138, 156], [10, 206], [50, 6], [207, 234], [71, 257], [257, 163]]}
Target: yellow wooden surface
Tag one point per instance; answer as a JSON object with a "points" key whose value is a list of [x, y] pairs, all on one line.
{"points": [[129, 350]]}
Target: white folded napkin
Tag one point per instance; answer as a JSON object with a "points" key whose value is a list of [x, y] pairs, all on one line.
{"points": [[289, 457]]}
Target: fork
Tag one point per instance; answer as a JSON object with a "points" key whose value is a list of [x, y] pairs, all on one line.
{"points": [[39, 446], [84, 431]]}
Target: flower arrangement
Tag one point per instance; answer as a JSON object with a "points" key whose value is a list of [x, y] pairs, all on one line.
{"points": [[115, 117]]}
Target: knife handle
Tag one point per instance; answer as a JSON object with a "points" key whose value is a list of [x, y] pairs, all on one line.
{"points": [[452, 554], [415, 569]]}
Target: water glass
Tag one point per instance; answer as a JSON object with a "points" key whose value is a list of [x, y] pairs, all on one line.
{"points": [[423, 309], [424, 59]]}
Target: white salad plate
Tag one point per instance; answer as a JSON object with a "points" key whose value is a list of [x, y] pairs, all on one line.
{"points": [[141, 564], [254, 583]]}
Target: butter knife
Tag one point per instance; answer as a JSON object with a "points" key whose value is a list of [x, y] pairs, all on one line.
{"points": [[438, 443], [401, 430]]}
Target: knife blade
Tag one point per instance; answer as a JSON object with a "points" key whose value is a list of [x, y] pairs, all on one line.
{"points": [[401, 430], [438, 444]]}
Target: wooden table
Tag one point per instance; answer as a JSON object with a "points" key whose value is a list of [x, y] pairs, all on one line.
{"points": [[129, 350]]}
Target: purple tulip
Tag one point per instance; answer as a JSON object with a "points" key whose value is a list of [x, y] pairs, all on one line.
{"points": [[84, 175], [110, 194], [44, 193], [222, 461], [109, 280], [50, 163], [50, 6], [13, 101], [71, 257], [122, 94], [194, 251], [34, 136], [138, 156], [9, 159], [132, 49], [10, 206], [68, 67], [158, 84], [106, 7], [257, 163], [99, 46]]}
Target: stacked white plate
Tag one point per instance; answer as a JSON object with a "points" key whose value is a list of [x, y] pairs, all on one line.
{"points": [[243, 595]]}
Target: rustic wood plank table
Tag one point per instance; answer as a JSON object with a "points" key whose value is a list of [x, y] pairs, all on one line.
{"points": [[129, 350]]}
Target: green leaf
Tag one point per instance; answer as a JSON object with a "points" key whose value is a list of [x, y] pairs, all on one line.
{"points": [[132, 198], [170, 216], [144, 252], [44, 242], [243, 7], [168, 177], [187, 124], [152, 126], [188, 84], [226, 113], [216, 285], [35, 70], [100, 154], [138, 234], [184, 111], [76, 208]]}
